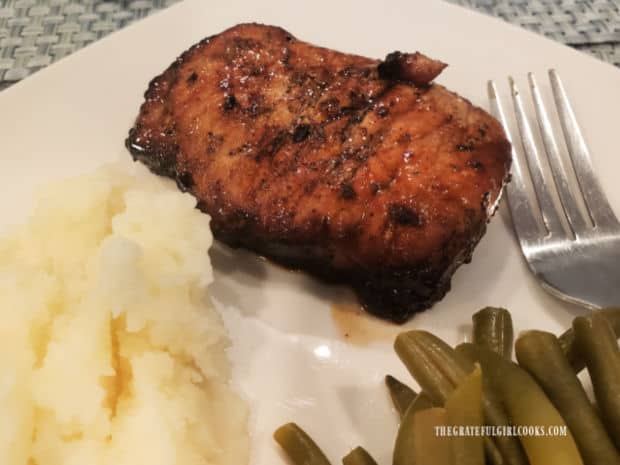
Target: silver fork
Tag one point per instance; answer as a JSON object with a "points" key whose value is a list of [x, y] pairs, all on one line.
{"points": [[578, 259]]}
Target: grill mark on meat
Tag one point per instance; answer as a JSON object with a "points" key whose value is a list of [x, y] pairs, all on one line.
{"points": [[214, 142], [185, 181], [257, 106], [465, 147], [330, 108], [346, 191], [271, 145], [192, 77], [404, 215], [229, 102], [306, 165], [382, 111], [301, 133], [360, 112]]}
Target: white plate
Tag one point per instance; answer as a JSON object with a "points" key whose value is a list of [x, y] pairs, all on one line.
{"points": [[292, 361]]}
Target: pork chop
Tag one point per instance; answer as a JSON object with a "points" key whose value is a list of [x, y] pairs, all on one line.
{"points": [[357, 170]]}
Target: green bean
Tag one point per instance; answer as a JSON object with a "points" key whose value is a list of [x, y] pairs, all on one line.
{"points": [[528, 406], [597, 344], [492, 453], [567, 340], [405, 435], [417, 442], [493, 330], [421, 402], [464, 408], [540, 354], [438, 368], [434, 364], [358, 456], [469, 351], [299, 447], [429, 448], [494, 413], [401, 394]]}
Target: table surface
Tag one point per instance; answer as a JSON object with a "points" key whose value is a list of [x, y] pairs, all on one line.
{"points": [[35, 33]]}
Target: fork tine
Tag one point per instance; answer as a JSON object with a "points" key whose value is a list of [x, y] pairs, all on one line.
{"points": [[545, 201], [575, 219], [595, 200], [519, 202]]}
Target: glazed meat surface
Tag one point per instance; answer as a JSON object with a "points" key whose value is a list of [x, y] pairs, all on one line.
{"points": [[357, 170]]}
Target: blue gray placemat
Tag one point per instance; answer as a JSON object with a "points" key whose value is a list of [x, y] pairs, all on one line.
{"points": [[35, 33], [589, 25]]}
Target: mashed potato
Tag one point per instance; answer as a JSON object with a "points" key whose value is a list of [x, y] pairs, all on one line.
{"points": [[110, 351]]}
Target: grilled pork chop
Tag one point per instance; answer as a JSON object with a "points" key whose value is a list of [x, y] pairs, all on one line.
{"points": [[357, 170]]}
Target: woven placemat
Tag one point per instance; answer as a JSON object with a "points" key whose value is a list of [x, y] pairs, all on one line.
{"points": [[589, 25], [35, 33]]}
